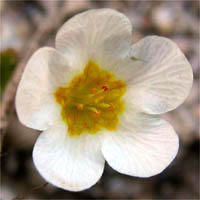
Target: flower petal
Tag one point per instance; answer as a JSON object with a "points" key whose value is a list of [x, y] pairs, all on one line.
{"points": [[164, 80], [143, 149], [35, 104], [94, 33], [70, 163], [122, 68]]}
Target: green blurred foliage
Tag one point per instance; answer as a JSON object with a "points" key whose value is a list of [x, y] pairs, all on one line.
{"points": [[8, 61]]}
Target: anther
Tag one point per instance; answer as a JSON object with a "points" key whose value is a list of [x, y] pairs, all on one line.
{"points": [[79, 106], [94, 90], [93, 109], [111, 106], [105, 87], [98, 113]]}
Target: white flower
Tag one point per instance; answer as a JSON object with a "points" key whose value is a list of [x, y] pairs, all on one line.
{"points": [[98, 98]]}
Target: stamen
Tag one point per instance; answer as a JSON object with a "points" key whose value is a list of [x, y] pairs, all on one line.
{"points": [[98, 113], [93, 109], [111, 107], [94, 90], [99, 99], [103, 105], [79, 106], [105, 87]]}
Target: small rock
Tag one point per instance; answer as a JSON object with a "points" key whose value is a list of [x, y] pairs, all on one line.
{"points": [[164, 19]]}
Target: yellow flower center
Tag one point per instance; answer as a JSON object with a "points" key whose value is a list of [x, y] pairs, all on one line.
{"points": [[91, 101]]}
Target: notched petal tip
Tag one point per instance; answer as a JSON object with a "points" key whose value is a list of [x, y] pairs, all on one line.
{"points": [[73, 164], [95, 31], [166, 77], [143, 150]]}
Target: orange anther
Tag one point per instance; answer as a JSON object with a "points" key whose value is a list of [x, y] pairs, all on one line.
{"points": [[98, 113], [111, 107], [94, 90], [79, 106], [105, 87]]}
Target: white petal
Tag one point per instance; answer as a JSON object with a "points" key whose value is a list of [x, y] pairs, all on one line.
{"points": [[45, 71], [94, 34], [73, 164], [164, 80], [143, 149], [122, 68]]}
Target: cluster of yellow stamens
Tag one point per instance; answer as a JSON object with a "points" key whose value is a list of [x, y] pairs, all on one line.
{"points": [[91, 101]]}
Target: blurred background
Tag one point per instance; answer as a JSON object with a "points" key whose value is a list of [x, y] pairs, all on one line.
{"points": [[28, 25]]}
